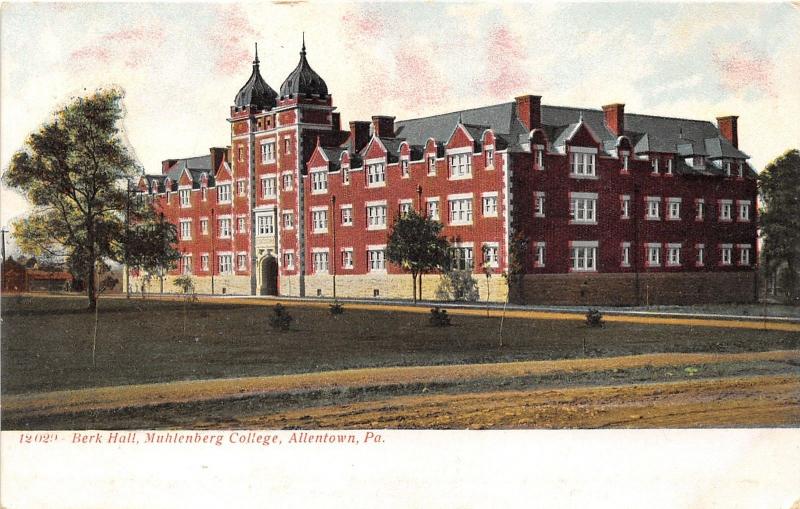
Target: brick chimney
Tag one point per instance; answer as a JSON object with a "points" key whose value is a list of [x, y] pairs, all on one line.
{"points": [[359, 134], [529, 111], [383, 126], [729, 129], [166, 164], [218, 154], [336, 121], [615, 118]]}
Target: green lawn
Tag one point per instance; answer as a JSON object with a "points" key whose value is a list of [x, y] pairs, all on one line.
{"points": [[47, 342]]}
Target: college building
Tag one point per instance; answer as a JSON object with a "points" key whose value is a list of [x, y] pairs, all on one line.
{"points": [[603, 206]]}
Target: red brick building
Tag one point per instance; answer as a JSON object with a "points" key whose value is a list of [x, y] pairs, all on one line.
{"points": [[612, 207]]}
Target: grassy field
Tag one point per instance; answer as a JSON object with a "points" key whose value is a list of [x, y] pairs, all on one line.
{"points": [[47, 342]]}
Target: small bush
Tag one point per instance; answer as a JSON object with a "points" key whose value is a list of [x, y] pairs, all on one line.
{"points": [[337, 309], [280, 319], [439, 318], [594, 318], [457, 285]]}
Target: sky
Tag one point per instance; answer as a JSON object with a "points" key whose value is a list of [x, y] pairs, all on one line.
{"points": [[181, 65]]}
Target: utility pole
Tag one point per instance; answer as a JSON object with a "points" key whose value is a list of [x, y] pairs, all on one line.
{"points": [[213, 252], [334, 259]]}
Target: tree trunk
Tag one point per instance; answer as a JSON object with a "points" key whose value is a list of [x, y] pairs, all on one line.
{"points": [[420, 286], [414, 290], [91, 284]]}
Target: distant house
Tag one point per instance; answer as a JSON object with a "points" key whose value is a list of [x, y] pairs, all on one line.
{"points": [[19, 278]]}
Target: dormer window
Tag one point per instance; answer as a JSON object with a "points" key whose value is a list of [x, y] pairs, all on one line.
{"points": [[654, 164], [727, 166], [319, 182], [741, 169], [431, 165], [625, 161], [582, 163], [489, 158], [404, 168], [539, 158], [376, 174], [699, 161], [461, 166], [669, 166], [345, 175], [185, 197]]}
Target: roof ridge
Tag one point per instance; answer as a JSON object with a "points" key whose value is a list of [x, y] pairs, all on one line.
{"points": [[455, 111]]}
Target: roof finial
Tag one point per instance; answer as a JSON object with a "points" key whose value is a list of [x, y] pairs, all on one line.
{"points": [[460, 119], [580, 119], [255, 62], [303, 51]]}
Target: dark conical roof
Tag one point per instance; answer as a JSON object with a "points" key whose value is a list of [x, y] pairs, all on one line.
{"points": [[256, 92], [303, 80]]}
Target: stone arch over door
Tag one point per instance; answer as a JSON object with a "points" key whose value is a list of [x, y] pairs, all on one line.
{"points": [[269, 275]]}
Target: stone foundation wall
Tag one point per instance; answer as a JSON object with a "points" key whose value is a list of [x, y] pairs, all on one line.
{"points": [[223, 285]]}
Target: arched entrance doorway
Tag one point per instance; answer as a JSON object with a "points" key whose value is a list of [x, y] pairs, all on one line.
{"points": [[269, 275]]}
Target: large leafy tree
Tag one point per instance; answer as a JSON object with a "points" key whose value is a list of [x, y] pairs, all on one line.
{"points": [[415, 243], [780, 218], [75, 171]]}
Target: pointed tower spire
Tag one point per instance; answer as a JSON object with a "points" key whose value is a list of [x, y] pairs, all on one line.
{"points": [[255, 62], [303, 51], [460, 118]]}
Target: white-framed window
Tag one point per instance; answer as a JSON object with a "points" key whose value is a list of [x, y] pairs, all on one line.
{"points": [[287, 182], [654, 164], [320, 259], [404, 207], [460, 210], [725, 254], [224, 193], [288, 220], [288, 260], [185, 197], [673, 255], [460, 166], [404, 168], [186, 229], [741, 169], [204, 262], [345, 175], [625, 206], [625, 160], [461, 258], [725, 209], [539, 159], [240, 152], [204, 226], [432, 205], [225, 263], [268, 152], [700, 255], [744, 254], [347, 258], [653, 255], [186, 264], [376, 258], [376, 174], [265, 224], [224, 227], [539, 254], [653, 211], [269, 187], [431, 165], [319, 182], [347, 215], [673, 209], [376, 217], [699, 209], [489, 201], [488, 161], [241, 225], [625, 258], [538, 203], [583, 256], [583, 208], [241, 187], [241, 260], [319, 220], [727, 165], [491, 258], [744, 210], [287, 145], [582, 164], [669, 166]]}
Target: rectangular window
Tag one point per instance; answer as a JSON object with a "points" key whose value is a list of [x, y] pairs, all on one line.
{"points": [[489, 159], [726, 252], [744, 211], [744, 254], [242, 261], [582, 164], [669, 166], [700, 260], [204, 226], [376, 174], [347, 258], [625, 202], [265, 225], [288, 260], [625, 161], [460, 211], [404, 168], [583, 208], [653, 212], [654, 164], [287, 182], [727, 165], [431, 165], [241, 225], [460, 166], [376, 217], [741, 169], [347, 216], [490, 255], [653, 255], [225, 264], [204, 262], [583, 256], [287, 145], [186, 230], [489, 205], [404, 208], [673, 255], [345, 175], [626, 254], [269, 187], [538, 254], [320, 261], [461, 258], [268, 152], [674, 208], [538, 202], [725, 207], [224, 227], [224, 193], [540, 159], [288, 220], [186, 264], [185, 197], [433, 209], [700, 209], [376, 259], [319, 220], [319, 182], [240, 187]]}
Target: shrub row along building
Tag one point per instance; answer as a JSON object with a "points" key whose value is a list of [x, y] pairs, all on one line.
{"points": [[605, 206]]}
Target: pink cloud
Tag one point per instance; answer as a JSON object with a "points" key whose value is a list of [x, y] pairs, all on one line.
{"points": [[362, 26], [419, 80], [505, 73], [741, 69], [130, 46], [233, 39]]}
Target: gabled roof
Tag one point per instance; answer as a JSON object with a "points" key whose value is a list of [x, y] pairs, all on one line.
{"points": [[196, 166]]}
